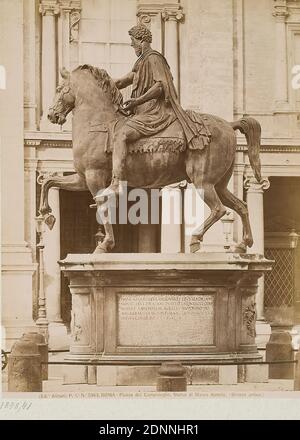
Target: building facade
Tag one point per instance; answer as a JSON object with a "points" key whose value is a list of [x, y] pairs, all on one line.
{"points": [[231, 58]]}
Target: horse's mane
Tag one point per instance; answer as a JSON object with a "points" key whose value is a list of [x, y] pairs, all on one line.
{"points": [[104, 81]]}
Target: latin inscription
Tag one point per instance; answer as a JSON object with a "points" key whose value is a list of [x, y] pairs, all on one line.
{"points": [[163, 319]]}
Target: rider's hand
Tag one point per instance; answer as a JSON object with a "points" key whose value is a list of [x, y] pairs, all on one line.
{"points": [[129, 105]]}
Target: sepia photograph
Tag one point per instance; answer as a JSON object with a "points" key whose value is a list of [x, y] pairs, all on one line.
{"points": [[150, 211]]}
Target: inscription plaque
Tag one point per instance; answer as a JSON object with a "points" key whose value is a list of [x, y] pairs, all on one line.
{"points": [[165, 319]]}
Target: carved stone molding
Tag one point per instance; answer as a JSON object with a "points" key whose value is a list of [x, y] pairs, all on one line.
{"points": [[144, 19], [147, 11], [249, 318], [48, 143], [32, 142], [252, 185], [30, 164], [273, 148], [247, 284], [73, 9], [49, 7], [75, 16], [173, 13], [280, 10], [69, 5]]}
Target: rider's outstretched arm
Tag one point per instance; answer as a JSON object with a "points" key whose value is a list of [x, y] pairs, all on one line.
{"points": [[124, 81]]}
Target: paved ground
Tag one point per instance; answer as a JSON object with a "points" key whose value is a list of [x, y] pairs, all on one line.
{"points": [[55, 385]]}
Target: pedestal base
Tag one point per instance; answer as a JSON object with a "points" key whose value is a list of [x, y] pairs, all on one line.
{"points": [[295, 333], [146, 375], [132, 312], [58, 336], [17, 288], [263, 332]]}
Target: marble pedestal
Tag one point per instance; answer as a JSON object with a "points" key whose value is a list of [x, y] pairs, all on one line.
{"points": [[131, 312]]}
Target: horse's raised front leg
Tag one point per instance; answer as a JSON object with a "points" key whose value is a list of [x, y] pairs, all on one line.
{"points": [[73, 182], [97, 181]]}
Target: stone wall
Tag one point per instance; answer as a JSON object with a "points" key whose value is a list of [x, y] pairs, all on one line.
{"points": [[206, 51]]}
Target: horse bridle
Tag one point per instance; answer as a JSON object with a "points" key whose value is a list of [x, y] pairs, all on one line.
{"points": [[65, 90]]}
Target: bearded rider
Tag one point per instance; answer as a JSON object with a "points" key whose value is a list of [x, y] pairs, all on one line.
{"points": [[153, 105]]}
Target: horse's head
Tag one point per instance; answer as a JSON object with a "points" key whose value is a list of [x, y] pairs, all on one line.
{"points": [[64, 100]]}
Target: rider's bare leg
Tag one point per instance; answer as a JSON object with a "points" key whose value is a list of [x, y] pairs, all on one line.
{"points": [[125, 136]]}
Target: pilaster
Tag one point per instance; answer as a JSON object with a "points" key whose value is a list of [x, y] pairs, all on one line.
{"points": [[52, 275], [49, 9], [163, 19], [255, 191], [280, 12], [17, 265]]}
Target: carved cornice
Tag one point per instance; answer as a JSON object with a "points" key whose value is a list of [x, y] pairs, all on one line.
{"points": [[59, 166], [273, 148], [279, 240], [32, 142], [252, 185], [146, 12], [63, 143], [49, 7], [48, 143], [280, 11], [166, 11], [69, 5], [73, 9], [173, 13], [145, 19]]}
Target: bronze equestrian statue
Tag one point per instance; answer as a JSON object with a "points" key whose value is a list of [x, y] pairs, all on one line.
{"points": [[149, 141], [154, 103]]}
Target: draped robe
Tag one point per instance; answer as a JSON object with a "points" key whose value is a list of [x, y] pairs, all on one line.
{"points": [[156, 114]]}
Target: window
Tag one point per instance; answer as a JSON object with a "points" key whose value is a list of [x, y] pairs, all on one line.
{"points": [[103, 38]]}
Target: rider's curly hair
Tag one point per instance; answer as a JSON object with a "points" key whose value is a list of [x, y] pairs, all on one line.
{"points": [[141, 32]]}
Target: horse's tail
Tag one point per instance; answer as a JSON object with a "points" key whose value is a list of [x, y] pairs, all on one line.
{"points": [[251, 128]]}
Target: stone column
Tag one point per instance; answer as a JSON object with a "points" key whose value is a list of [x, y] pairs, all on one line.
{"points": [[17, 266], [164, 20], [171, 226], [237, 189], [30, 214], [147, 240], [69, 16], [49, 9], [150, 16], [63, 35], [29, 66], [255, 203], [172, 16], [281, 80], [57, 330], [68, 26]]}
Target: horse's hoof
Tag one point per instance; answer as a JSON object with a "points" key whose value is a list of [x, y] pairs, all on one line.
{"points": [[100, 250], [50, 220], [194, 247], [240, 248], [109, 196]]}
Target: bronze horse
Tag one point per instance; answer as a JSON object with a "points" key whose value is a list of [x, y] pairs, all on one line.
{"points": [[95, 101]]}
